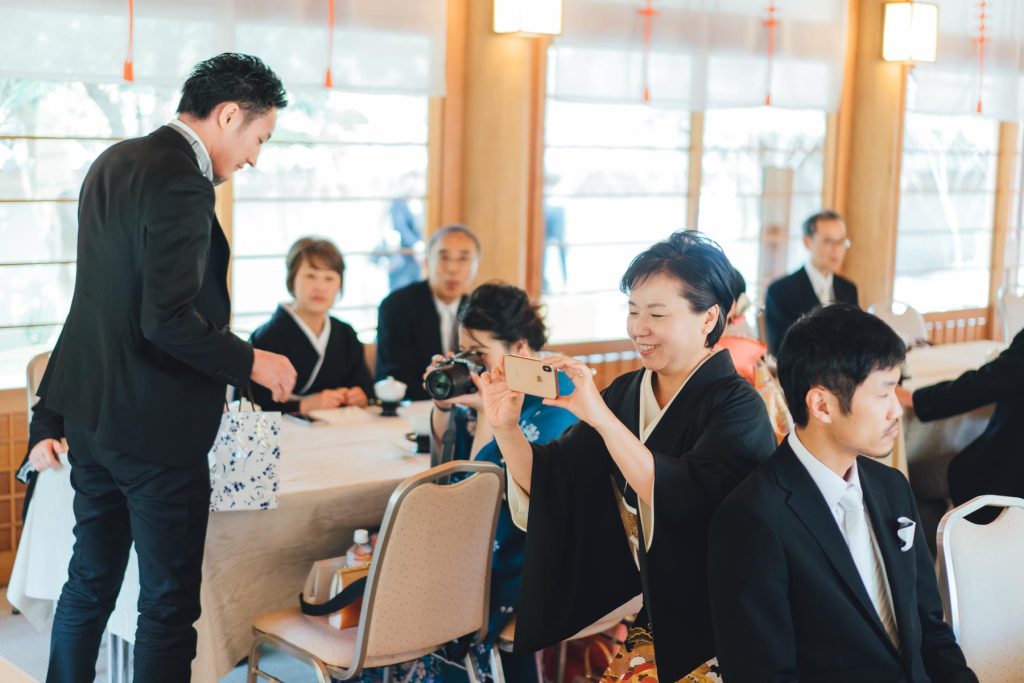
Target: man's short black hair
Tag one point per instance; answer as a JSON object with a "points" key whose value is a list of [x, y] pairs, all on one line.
{"points": [[811, 222], [701, 266], [232, 77], [835, 347]]}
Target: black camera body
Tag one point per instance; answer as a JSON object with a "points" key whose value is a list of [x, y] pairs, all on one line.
{"points": [[451, 377]]}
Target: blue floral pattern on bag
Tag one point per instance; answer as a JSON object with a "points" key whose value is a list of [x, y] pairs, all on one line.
{"points": [[244, 462]]}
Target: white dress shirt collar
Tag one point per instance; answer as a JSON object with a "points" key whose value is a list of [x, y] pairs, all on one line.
{"points": [[318, 341], [202, 155], [821, 284], [831, 485], [448, 314]]}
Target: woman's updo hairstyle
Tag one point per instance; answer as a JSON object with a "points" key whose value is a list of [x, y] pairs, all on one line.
{"points": [[701, 266], [506, 312]]}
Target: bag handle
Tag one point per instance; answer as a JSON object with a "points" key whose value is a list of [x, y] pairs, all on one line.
{"points": [[252, 401], [346, 597]]}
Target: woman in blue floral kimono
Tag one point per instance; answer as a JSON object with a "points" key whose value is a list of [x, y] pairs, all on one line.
{"points": [[496, 320]]}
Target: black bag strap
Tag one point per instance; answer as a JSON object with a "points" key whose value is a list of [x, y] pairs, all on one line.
{"points": [[346, 597]]}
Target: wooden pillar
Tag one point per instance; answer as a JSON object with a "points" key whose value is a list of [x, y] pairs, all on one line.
{"points": [[871, 201], [1005, 184], [696, 169], [224, 208], [499, 143], [446, 126]]}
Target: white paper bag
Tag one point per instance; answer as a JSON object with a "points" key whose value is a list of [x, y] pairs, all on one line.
{"points": [[244, 461]]}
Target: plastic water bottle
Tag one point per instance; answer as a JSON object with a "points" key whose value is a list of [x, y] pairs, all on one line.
{"points": [[361, 551]]}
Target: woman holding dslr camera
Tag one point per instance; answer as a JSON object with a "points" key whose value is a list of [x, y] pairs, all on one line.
{"points": [[497, 319]]}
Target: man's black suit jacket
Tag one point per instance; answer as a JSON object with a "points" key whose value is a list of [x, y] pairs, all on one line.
{"points": [[408, 335], [994, 462], [145, 355], [787, 602], [791, 296]]}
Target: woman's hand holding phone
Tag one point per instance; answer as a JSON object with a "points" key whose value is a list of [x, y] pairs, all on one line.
{"points": [[501, 405], [585, 401]]}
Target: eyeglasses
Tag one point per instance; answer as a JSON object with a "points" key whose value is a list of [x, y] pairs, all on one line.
{"points": [[845, 244]]}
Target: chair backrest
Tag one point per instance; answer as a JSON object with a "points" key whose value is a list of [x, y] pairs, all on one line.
{"points": [[33, 376], [982, 592], [1011, 312], [908, 324], [430, 577]]}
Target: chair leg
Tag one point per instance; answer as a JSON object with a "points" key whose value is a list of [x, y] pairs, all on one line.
{"points": [[471, 673], [496, 669], [254, 661], [255, 673]]}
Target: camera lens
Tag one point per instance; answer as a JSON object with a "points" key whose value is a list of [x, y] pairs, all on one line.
{"points": [[547, 368], [449, 381]]}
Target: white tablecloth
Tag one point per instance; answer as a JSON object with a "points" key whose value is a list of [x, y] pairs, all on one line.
{"points": [[334, 478], [932, 364]]}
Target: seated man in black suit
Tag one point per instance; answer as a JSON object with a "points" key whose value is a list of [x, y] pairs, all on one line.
{"points": [[818, 568], [420, 320], [816, 283], [992, 463]]}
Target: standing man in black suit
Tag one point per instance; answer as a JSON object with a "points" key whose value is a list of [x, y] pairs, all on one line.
{"points": [[420, 320], [992, 463], [816, 283], [140, 370], [819, 571]]}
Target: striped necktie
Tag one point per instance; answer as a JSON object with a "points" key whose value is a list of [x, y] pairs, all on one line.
{"points": [[869, 564]]}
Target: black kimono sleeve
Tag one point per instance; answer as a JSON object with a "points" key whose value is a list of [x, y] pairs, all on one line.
{"points": [[577, 566]]}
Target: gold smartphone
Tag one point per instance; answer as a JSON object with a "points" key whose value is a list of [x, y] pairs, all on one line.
{"points": [[531, 376]]}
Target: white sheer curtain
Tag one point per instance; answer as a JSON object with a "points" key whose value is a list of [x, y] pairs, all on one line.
{"points": [[703, 53], [952, 84], [379, 45]]}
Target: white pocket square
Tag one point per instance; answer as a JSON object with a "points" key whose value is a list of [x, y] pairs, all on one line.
{"points": [[906, 532]]}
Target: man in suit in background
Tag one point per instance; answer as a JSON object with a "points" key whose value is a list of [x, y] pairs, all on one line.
{"points": [[421, 320], [992, 463], [816, 283], [818, 568], [140, 370]]}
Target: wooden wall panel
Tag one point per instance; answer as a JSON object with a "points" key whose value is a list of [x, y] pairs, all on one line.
{"points": [[13, 442]]}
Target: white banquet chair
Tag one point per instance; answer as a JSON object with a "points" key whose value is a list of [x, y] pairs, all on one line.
{"points": [[982, 593]]}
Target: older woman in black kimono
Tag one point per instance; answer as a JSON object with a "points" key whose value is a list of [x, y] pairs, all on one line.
{"points": [[622, 502], [327, 354]]}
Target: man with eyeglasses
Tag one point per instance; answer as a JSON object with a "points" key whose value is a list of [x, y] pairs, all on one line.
{"points": [[420, 320], [816, 283]]}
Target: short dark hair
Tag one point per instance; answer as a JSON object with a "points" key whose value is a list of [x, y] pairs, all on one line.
{"points": [[835, 347], [699, 264], [232, 77], [319, 253], [448, 230], [811, 222], [506, 312], [739, 284]]}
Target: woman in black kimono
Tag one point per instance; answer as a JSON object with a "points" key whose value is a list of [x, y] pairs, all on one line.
{"points": [[327, 354], [621, 503]]}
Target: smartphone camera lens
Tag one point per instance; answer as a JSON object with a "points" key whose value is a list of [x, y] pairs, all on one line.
{"points": [[547, 368]]}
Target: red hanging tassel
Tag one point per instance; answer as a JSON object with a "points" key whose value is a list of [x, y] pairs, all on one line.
{"points": [[129, 70], [648, 13], [328, 78], [770, 23], [981, 40]]}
